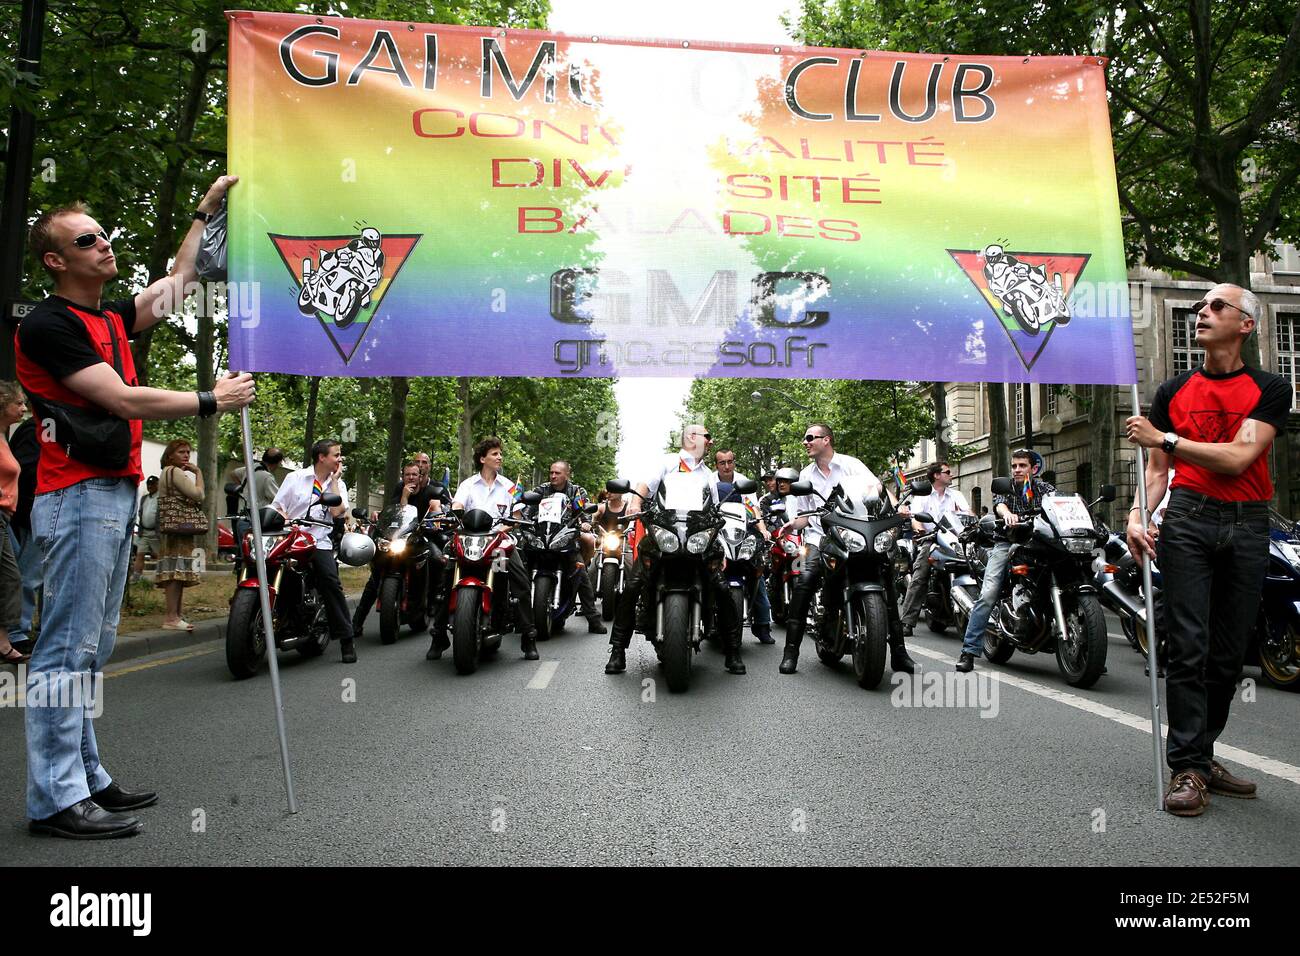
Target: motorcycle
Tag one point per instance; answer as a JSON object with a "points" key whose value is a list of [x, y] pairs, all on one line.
{"points": [[479, 602], [783, 566], [682, 526], [1048, 601], [341, 290], [1274, 642], [402, 560], [299, 619], [952, 565], [743, 552], [859, 532], [1035, 303], [550, 541], [615, 558]]}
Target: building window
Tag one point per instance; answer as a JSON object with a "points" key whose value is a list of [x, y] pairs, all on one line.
{"points": [[1183, 339], [1018, 417], [1051, 401], [976, 499], [1287, 340]]}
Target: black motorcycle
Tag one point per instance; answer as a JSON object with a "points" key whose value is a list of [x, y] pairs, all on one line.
{"points": [[859, 534], [682, 527], [550, 542], [955, 572], [1048, 600], [402, 562]]}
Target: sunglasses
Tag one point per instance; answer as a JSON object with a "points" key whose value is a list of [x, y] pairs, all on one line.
{"points": [[1216, 306], [808, 438], [705, 435], [87, 240], [945, 471]]}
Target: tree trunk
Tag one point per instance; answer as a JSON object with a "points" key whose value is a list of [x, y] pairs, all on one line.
{"points": [[309, 432], [999, 449], [939, 392], [1101, 452], [465, 430], [396, 433]]}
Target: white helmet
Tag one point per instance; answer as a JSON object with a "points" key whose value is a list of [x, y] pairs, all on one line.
{"points": [[356, 549], [370, 237], [993, 251], [787, 474]]}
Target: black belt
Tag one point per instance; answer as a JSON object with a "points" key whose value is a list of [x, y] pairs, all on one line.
{"points": [[1199, 503]]}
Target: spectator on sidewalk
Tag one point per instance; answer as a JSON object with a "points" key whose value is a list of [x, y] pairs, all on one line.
{"points": [[146, 522], [181, 557], [26, 449], [13, 406]]}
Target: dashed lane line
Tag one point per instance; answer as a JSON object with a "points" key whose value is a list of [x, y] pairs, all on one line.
{"points": [[545, 671]]}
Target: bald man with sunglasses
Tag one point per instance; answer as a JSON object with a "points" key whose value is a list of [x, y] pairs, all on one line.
{"points": [[1213, 425]]}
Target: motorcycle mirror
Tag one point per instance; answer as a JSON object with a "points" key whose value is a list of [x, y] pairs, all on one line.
{"points": [[1107, 492], [591, 509], [922, 516], [331, 501], [437, 490], [776, 507], [272, 520], [801, 488], [618, 486], [360, 515], [532, 499], [1002, 486], [920, 487], [988, 523], [746, 486], [232, 487]]}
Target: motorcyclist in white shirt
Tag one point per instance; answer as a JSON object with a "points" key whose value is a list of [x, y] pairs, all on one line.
{"points": [[944, 498], [694, 448], [825, 469]]}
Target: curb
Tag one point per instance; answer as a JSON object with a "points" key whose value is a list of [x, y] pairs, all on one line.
{"points": [[144, 643]]}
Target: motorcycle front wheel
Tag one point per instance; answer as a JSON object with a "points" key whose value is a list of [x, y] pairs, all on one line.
{"points": [[1081, 655], [245, 640], [608, 592], [464, 632], [543, 587], [675, 650], [871, 627], [390, 609]]}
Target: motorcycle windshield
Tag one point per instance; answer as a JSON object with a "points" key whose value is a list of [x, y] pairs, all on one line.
{"points": [[683, 492], [1067, 514], [857, 492], [551, 513], [397, 520], [737, 522]]}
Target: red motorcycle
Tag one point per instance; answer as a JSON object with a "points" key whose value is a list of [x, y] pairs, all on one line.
{"points": [[479, 604], [299, 619], [787, 553]]}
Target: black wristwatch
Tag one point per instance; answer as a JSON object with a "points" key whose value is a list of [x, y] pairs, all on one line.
{"points": [[1170, 442], [203, 217]]}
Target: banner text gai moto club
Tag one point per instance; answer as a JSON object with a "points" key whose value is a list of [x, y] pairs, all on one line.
{"points": [[432, 200]]}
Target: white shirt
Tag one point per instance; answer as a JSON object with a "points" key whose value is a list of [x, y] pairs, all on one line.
{"points": [[496, 499], [672, 464], [841, 466], [936, 505], [750, 499], [296, 495]]}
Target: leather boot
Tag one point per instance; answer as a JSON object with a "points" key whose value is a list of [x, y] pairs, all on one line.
{"points": [[617, 660], [900, 660], [733, 663], [436, 647], [529, 646], [790, 660]]}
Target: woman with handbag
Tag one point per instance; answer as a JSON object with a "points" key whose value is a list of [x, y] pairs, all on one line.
{"points": [[181, 522], [13, 407]]}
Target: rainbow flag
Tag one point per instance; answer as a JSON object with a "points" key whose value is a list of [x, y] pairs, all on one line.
{"points": [[897, 473], [317, 489], [515, 491], [750, 509], [581, 501]]}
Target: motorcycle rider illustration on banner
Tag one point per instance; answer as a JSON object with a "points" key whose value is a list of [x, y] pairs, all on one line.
{"points": [[341, 285], [1024, 290]]}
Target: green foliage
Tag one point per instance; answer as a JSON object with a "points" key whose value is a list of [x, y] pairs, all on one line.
{"points": [[873, 421]]}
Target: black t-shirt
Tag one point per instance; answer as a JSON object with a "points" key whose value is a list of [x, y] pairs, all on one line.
{"points": [[56, 339], [420, 499]]}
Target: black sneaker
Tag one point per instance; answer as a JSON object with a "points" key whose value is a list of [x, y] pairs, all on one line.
{"points": [[349, 649]]}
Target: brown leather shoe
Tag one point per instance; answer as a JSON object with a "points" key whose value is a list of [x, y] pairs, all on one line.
{"points": [[1224, 783], [1186, 795]]}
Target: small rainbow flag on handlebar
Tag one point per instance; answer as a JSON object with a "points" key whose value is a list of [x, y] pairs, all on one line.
{"points": [[750, 509], [581, 501], [515, 491]]}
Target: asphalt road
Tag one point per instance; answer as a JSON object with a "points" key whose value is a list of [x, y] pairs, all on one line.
{"points": [[553, 762]]}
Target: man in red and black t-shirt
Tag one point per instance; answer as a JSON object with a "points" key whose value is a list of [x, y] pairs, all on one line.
{"points": [[74, 360], [1214, 426]]}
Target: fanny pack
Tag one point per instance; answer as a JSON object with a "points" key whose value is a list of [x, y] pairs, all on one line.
{"points": [[91, 436]]}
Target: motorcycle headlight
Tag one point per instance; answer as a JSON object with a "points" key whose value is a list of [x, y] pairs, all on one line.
{"points": [[884, 541], [473, 548], [856, 542], [666, 540], [612, 542], [698, 542], [397, 547], [382, 544], [790, 547], [747, 548], [1080, 545]]}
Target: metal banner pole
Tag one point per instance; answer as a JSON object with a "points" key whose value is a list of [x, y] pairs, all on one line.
{"points": [[1151, 618], [259, 555]]}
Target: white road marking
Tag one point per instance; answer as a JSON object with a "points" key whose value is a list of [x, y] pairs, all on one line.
{"points": [[545, 671], [1223, 751]]}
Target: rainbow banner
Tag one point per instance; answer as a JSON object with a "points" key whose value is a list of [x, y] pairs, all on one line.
{"points": [[432, 200]]}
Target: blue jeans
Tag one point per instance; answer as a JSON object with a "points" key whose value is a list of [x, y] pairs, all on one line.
{"points": [[762, 606], [995, 572], [84, 534], [29, 566]]}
